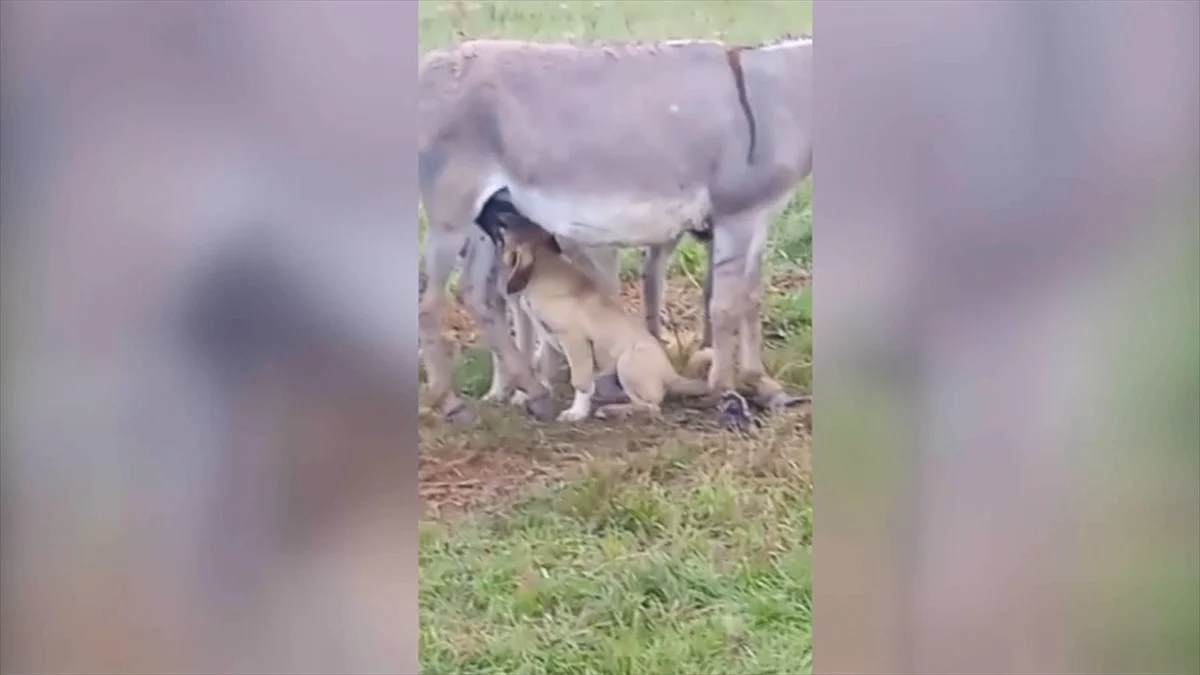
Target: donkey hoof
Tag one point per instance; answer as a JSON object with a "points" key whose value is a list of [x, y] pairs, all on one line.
{"points": [[460, 416], [733, 412], [541, 408], [780, 400]]}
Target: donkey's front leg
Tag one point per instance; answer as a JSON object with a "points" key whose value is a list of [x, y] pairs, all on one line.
{"points": [[441, 251], [537, 349], [482, 295], [501, 388]]}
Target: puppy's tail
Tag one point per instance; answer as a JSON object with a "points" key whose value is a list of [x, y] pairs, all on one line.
{"points": [[685, 386]]}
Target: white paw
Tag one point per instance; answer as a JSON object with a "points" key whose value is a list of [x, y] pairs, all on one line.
{"points": [[581, 408], [495, 395], [572, 415], [519, 397]]}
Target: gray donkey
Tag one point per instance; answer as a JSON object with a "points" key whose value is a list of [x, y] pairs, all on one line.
{"points": [[612, 144]]}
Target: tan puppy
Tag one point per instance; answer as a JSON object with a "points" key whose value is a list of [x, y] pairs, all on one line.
{"points": [[574, 316]]}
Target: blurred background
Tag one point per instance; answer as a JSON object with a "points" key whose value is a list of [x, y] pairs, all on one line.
{"points": [[208, 339], [1007, 343]]}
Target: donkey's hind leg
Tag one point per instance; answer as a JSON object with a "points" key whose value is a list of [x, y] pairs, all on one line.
{"points": [[654, 284], [765, 390], [737, 245]]}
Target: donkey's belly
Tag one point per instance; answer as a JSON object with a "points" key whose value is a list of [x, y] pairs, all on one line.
{"points": [[617, 220], [595, 218]]}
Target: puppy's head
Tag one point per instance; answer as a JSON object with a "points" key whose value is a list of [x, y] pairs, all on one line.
{"points": [[489, 219], [522, 240]]}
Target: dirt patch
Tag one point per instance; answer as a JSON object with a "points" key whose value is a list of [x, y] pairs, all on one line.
{"points": [[506, 456]]}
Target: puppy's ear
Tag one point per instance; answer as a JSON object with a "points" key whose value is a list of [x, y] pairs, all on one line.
{"points": [[509, 218], [520, 269]]}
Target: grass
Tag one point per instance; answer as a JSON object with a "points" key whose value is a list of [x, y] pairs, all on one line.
{"points": [[612, 547], [680, 563]]}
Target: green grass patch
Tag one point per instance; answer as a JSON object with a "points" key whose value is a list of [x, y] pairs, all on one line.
{"points": [[678, 565]]}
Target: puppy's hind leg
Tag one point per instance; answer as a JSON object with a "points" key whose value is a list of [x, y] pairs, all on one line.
{"points": [[645, 390]]}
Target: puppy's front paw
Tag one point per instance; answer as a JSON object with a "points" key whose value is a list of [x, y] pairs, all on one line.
{"points": [[494, 396], [573, 415], [519, 397]]}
